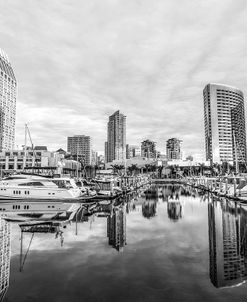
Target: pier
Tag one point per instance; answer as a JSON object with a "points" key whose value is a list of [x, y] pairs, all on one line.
{"points": [[232, 187]]}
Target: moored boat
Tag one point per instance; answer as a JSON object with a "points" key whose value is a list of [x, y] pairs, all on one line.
{"points": [[34, 187]]}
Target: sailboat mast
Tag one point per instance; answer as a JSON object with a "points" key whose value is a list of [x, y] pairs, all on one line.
{"points": [[25, 148]]}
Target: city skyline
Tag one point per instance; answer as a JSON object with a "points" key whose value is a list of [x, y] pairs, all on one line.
{"points": [[154, 73]]}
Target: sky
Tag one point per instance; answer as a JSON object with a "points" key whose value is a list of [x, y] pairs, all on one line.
{"points": [[79, 61]]}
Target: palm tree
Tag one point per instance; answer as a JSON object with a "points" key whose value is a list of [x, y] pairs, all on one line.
{"points": [[202, 167], [117, 168], [160, 168], [132, 169], [147, 166]]}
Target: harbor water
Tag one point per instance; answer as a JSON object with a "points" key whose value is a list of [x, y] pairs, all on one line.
{"points": [[171, 243]]}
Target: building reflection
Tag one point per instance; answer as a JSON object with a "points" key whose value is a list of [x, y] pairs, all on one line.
{"points": [[4, 257], [149, 209], [227, 225], [174, 210], [116, 227], [171, 192]]}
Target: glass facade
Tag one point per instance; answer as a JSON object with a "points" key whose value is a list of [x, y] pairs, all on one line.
{"points": [[8, 91], [80, 145], [116, 137], [224, 120]]}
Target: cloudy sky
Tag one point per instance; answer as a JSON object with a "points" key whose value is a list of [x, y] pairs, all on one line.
{"points": [[77, 61]]}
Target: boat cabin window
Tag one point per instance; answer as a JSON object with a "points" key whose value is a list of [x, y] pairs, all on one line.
{"points": [[78, 183], [63, 184], [231, 181], [33, 183], [16, 207], [14, 177]]}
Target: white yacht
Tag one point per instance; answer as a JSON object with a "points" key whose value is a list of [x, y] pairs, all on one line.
{"points": [[35, 187]]}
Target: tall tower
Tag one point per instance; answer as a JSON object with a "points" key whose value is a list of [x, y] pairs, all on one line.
{"points": [[173, 149], [80, 146], [8, 92], [148, 149], [116, 137], [224, 121]]}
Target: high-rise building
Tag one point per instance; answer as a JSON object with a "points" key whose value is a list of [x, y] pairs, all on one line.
{"points": [[106, 151], [8, 92], [132, 151], [227, 225], [80, 147], [116, 137], [5, 257], [224, 121], [173, 149], [94, 159], [148, 149]]}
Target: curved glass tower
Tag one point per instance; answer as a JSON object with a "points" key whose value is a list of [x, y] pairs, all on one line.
{"points": [[8, 92], [224, 121]]}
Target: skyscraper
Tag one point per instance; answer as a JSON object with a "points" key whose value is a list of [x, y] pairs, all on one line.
{"points": [[132, 151], [80, 146], [8, 92], [5, 257], [148, 149], [224, 121], [173, 149], [116, 137]]}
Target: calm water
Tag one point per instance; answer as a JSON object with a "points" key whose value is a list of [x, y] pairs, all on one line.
{"points": [[171, 244]]}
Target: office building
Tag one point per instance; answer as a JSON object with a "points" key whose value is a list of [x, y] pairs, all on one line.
{"points": [[224, 121], [173, 149], [8, 92], [227, 225], [115, 147], [5, 257], [38, 160], [94, 158], [80, 148], [148, 149], [132, 151]]}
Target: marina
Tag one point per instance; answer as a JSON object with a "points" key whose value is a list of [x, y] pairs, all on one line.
{"points": [[123, 151], [146, 242], [232, 187]]}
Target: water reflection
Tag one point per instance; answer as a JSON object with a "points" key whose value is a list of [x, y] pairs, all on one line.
{"points": [[116, 228], [227, 224], [4, 257], [149, 209], [174, 210]]}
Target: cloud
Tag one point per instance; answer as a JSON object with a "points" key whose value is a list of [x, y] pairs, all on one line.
{"points": [[78, 61]]}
